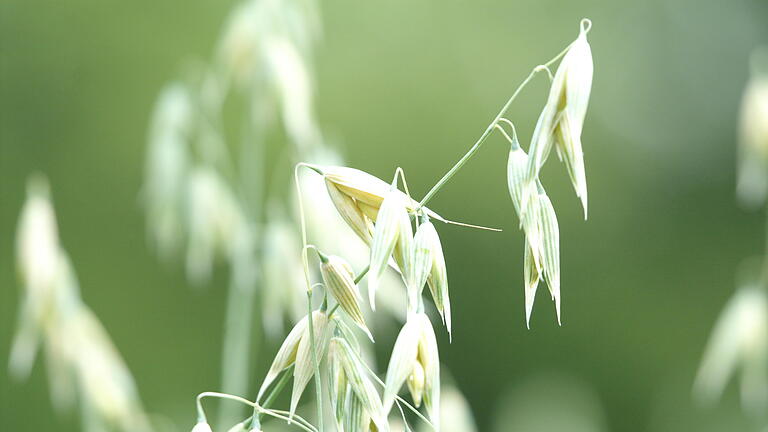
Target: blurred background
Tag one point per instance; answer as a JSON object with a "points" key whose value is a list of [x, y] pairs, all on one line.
{"points": [[413, 84]]}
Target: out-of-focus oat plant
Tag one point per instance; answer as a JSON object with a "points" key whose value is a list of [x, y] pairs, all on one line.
{"points": [[400, 237], [210, 198], [739, 343], [753, 134], [82, 363], [206, 198], [739, 340]]}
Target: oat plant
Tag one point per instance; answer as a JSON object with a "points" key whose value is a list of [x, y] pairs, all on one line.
{"points": [[739, 340], [324, 346], [83, 366]]}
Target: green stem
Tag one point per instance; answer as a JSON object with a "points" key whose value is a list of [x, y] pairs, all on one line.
{"points": [[276, 390], [237, 341], [487, 132], [362, 274], [315, 362], [333, 309], [305, 262], [297, 419]]}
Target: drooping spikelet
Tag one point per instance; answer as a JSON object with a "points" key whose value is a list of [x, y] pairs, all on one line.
{"points": [[340, 282], [286, 355], [562, 119], [366, 191], [437, 278], [392, 228], [305, 367], [416, 343], [360, 385], [539, 222]]}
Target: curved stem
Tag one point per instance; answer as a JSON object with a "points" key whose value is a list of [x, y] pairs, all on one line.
{"points": [[305, 262], [399, 171], [362, 274], [299, 421], [315, 361], [487, 131], [471, 152], [275, 390]]}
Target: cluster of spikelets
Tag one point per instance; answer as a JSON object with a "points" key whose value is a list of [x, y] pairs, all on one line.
{"points": [[206, 199], [400, 235], [82, 363], [379, 214], [559, 125], [739, 341]]}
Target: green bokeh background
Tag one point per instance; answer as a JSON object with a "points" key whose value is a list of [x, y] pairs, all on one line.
{"points": [[412, 84]]}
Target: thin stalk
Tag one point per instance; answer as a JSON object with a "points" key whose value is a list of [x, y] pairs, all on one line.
{"points": [[487, 131], [315, 361], [362, 274], [239, 342], [276, 390], [333, 309], [297, 420], [305, 262], [236, 349]]}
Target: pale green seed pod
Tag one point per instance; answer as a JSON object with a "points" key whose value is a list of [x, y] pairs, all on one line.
{"points": [[542, 140], [416, 383], [570, 152], [517, 176], [550, 248], [404, 248], [421, 258], [532, 277], [438, 277], [388, 227], [575, 73], [415, 343], [562, 119], [339, 389], [286, 355], [530, 222], [356, 418], [404, 355], [361, 385], [357, 184], [350, 212], [305, 367], [577, 69], [365, 188], [340, 282], [429, 357]]}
